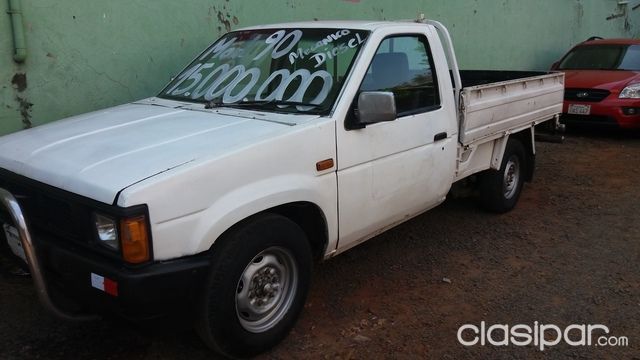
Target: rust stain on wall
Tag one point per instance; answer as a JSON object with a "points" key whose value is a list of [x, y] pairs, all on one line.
{"points": [[614, 16], [24, 106], [579, 13], [224, 20], [19, 81], [623, 13], [224, 17]]}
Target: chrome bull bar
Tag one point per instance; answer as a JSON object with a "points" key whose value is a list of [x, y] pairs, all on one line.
{"points": [[11, 204]]}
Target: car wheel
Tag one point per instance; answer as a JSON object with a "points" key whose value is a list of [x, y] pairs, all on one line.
{"points": [[257, 286], [500, 189]]}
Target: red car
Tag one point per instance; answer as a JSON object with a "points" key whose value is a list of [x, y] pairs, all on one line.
{"points": [[602, 83]]}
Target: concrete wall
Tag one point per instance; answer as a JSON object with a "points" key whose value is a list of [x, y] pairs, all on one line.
{"points": [[90, 54]]}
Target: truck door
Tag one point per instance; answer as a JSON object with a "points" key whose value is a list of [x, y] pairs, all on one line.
{"points": [[390, 171]]}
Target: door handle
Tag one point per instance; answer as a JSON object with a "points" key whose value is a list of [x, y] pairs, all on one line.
{"points": [[440, 136]]}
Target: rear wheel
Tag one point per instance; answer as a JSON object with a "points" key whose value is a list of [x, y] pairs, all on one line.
{"points": [[500, 189], [257, 286]]}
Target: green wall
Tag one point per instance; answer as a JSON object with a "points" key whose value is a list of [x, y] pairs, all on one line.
{"points": [[90, 54]]}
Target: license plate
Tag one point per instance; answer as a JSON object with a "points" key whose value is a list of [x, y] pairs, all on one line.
{"points": [[13, 239], [579, 109]]}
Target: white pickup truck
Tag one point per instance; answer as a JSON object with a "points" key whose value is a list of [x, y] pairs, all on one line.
{"points": [[278, 146]]}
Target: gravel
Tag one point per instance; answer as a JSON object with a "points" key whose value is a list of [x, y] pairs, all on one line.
{"points": [[568, 254]]}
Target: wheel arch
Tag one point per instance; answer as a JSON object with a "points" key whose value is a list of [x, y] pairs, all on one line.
{"points": [[307, 215], [527, 138], [308, 201]]}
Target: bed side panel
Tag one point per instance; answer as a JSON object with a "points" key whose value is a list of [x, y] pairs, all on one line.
{"points": [[496, 108]]}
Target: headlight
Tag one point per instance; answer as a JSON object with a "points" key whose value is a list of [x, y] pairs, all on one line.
{"points": [[631, 92], [107, 231]]}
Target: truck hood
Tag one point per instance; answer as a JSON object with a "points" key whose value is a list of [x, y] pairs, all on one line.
{"points": [[599, 79], [98, 154]]}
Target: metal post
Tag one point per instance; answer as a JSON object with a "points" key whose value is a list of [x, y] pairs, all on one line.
{"points": [[11, 204], [17, 27]]}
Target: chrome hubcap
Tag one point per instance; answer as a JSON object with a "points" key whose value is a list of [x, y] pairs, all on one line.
{"points": [[511, 177], [266, 289]]}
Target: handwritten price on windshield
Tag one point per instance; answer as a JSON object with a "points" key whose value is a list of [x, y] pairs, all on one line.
{"points": [[225, 81]]}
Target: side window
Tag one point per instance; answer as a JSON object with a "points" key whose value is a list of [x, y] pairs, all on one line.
{"points": [[403, 65]]}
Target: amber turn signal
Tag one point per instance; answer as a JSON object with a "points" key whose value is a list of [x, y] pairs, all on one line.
{"points": [[134, 237], [324, 165]]}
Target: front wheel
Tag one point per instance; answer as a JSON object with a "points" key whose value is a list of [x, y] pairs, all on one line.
{"points": [[500, 189], [257, 286]]}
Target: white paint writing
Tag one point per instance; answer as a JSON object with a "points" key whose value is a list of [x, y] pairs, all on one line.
{"points": [[232, 77], [322, 57], [330, 53], [219, 78], [218, 48]]}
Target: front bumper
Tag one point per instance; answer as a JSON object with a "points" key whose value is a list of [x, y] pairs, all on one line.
{"points": [[154, 291], [608, 112], [64, 276]]}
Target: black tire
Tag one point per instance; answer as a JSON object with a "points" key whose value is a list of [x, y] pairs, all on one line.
{"points": [[500, 190], [265, 251]]}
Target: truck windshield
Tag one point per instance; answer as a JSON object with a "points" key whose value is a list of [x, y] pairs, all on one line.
{"points": [[603, 57], [283, 70]]}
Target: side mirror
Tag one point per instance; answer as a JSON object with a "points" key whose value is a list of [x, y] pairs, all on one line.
{"points": [[554, 66], [375, 107]]}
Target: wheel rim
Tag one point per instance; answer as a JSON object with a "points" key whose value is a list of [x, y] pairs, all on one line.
{"points": [[266, 289], [511, 177]]}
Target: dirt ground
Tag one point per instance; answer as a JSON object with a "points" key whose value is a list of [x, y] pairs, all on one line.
{"points": [[568, 254]]}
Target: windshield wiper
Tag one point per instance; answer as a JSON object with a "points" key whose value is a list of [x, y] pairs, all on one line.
{"points": [[216, 104], [213, 104]]}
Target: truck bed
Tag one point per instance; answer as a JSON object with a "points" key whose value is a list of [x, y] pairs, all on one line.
{"points": [[495, 102]]}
